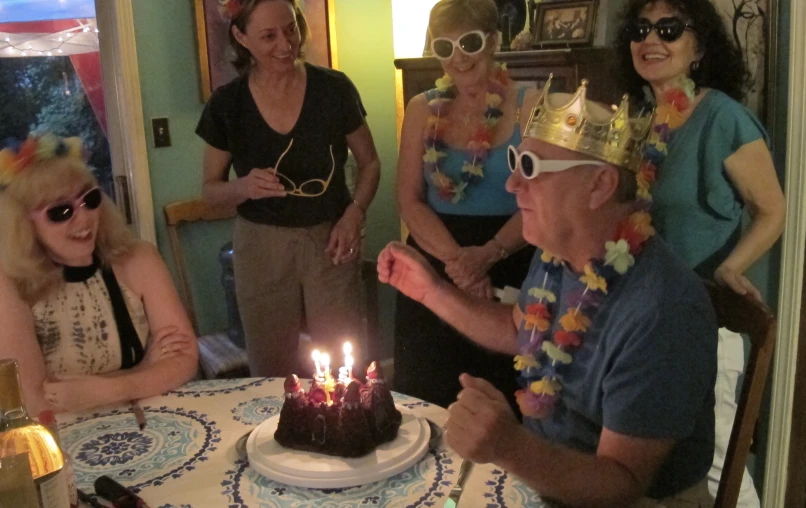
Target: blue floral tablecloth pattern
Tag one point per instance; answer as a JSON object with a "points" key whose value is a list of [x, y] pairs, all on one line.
{"points": [[186, 456], [214, 387], [255, 411], [111, 444], [425, 484]]}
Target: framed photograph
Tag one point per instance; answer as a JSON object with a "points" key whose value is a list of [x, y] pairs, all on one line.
{"points": [[215, 53], [565, 23]]}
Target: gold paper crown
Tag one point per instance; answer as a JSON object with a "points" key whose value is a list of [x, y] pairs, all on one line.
{"points": [[615, 138]]}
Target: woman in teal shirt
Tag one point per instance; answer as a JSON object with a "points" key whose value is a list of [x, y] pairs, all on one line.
{"points": [[677, 54]]}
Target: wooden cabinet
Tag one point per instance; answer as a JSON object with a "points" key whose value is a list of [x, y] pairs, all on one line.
{"points": [[569, 66]]}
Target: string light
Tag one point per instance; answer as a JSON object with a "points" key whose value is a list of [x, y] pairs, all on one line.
{"points": [[24, 51]]}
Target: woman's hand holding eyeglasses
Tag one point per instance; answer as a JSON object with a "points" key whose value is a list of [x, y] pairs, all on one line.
{"points": [[261, 183], [345, 238]]}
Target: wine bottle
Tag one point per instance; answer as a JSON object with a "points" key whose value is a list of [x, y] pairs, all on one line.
{"points": [[45, 457], [17, 488], [48, 419]]}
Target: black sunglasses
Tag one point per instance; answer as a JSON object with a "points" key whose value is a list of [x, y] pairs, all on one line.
{"points": [[668, 29], [63, 212]]}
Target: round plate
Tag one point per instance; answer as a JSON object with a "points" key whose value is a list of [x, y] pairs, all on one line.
{"points": [[315, 470]]}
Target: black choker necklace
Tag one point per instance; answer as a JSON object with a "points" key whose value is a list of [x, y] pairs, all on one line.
{"points": [[80, 273]]}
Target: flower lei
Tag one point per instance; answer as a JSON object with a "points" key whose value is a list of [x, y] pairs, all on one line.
{"points": [[18, 157], [540, 360], [478, 147], [668, 116]]}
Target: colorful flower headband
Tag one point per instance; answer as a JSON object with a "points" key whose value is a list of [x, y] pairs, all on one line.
{"points": [[36, 148], [229, 9]]}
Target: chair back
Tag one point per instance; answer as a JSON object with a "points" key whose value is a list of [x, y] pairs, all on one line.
{"points": [[191, 210], [742, 314]]}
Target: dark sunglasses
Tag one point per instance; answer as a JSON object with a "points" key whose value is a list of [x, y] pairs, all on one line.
{"points": [[469, 42], [668, 29], [64, 211]]}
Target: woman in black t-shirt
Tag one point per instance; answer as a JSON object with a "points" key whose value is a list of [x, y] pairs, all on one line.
{"points": [[285, 126]]}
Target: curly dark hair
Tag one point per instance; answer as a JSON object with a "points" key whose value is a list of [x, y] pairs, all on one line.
{"points": [[721, 67]]}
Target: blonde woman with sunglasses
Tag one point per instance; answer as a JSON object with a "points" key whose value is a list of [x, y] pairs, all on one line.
{"points": [[451, 194], [285, 126], [91, 314], [713, 163]]}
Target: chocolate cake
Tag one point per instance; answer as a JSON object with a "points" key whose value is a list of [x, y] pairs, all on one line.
{"points": [[345, 419]]}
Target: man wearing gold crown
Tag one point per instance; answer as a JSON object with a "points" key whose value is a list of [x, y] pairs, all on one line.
{"points": [[614, 338]]}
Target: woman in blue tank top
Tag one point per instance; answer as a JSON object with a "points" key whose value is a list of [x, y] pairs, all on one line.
{"points": [[451, 195], [712, 163]]}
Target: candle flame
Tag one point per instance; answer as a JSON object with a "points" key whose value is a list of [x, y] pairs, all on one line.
{"points": [[347, 348], [326, 361], [316, 355]]}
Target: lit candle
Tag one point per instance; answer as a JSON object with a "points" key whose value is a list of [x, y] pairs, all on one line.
{"points": [[326, 362], [348, 360], [316, 357]]}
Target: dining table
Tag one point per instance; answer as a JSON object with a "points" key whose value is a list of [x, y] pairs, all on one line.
{"points": [[186, 455]]}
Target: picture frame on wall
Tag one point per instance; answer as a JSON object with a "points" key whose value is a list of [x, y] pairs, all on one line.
{"points": [[565, 24], [216, 54]]}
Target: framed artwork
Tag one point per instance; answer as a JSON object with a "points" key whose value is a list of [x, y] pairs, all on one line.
{"points": [[565, 23], [215, 53]]}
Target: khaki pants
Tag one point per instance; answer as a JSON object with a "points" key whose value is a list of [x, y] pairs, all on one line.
{"points": [[281, 273], [694, 497]]}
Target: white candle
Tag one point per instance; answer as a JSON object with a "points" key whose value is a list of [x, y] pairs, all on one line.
{"points": [[316, 357], [348, 359], [326, 363]]}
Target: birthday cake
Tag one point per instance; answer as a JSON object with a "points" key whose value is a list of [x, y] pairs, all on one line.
{"points": [[345, 418]]}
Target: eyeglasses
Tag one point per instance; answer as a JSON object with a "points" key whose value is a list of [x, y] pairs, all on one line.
{"points": [[63, 211], [531, 165], [312, 191], [668, 29], [470, 43]]}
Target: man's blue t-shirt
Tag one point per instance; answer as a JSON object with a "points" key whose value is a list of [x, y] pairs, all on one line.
{"points": [[646, 366]]}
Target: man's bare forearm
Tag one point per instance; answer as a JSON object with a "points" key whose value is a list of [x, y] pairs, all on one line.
{"points": [[487, 323]]}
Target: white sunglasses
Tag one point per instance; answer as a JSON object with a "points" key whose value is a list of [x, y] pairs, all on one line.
{"points": [[470, 43], [531, 165]]}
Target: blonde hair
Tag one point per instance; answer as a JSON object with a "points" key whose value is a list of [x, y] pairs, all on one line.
{"points": [[453, 14], [22, 256], [243, 58]]}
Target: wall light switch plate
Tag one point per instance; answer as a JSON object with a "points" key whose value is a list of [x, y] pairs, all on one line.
{"points": [[162, 136]]}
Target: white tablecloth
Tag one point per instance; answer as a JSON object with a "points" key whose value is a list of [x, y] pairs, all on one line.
{"points": [[186, 458]]}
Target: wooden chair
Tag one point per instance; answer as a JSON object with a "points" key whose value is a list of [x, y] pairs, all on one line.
{"points": [[218, 356], [743, 315]]}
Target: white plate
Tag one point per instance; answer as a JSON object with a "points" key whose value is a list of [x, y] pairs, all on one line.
{"points": [[318, 471]]}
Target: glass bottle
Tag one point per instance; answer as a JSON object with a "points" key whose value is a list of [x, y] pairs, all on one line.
{"points": [[48, 419], [44, 456]]}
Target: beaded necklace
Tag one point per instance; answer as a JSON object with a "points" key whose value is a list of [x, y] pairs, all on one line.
{"points": [[478, 147], [542, 358]]}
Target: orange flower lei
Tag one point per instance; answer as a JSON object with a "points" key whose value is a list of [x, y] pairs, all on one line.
{"points": [[478, 147]]}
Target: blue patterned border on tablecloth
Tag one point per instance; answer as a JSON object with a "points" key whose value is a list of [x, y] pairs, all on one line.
{"points": [[242, 479], [504, 491], [212, 387], [124, 443], [255, 411]]}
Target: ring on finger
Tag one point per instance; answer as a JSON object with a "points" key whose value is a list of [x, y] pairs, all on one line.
{"points": [[52, 399], [164, 349]]}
